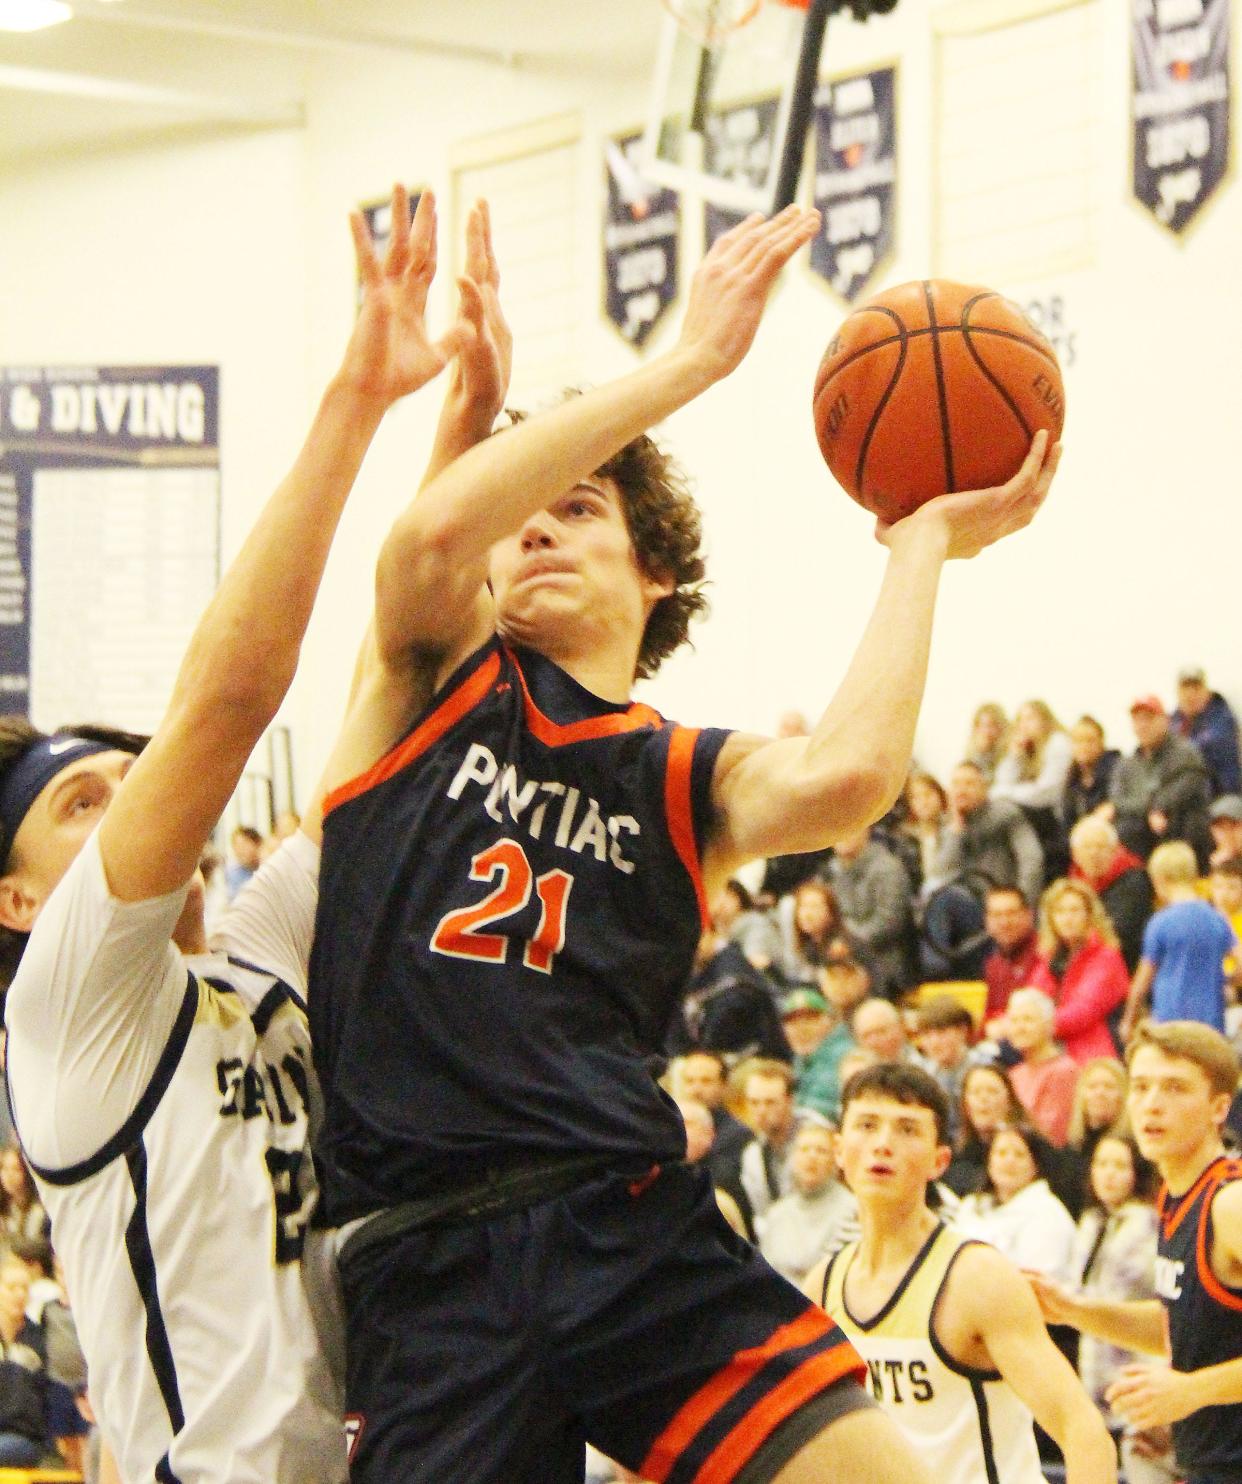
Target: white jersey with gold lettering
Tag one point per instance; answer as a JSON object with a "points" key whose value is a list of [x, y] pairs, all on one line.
{"points": [[166, 1105], [966, 1425]]}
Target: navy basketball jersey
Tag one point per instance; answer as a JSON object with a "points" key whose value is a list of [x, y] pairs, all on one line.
{"points": [[1204, 1318], [509, 906]]}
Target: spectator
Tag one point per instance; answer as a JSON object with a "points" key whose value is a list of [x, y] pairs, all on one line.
{"points": [[1045, 1078], [1016, 1210], [989, 840], [943, 1032], [1086, 783], [1117, 877], [854, 1060], [1114, 1258], [1204, 717], [874, 897], [702, 1079], [246, 845], [1014, 957], [988, 1102], [735, 917], [1184, 948], [927, 809], [1225, 823], [34, 1410], [728, 1006], [1161, 791], [1099, 1109], [1032, 775], [1225, 891], [770, 1112], [820, 1035], [989, 733], [21, 1213], [819, 1215], [877, 1025], [700, 1134], [815, 933], [1081, 968]]}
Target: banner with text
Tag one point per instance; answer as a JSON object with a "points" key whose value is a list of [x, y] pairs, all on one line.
{"points": [[642, 230], [855, 121], [109, 536], [1180, 106], [738, 147]]}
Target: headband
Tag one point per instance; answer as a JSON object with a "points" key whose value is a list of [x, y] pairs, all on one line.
{"points": [[31, 774]]}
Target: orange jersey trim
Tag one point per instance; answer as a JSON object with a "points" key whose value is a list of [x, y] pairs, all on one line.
{"points": [[612, 724], [1171, 1220], [677, 808], [1211, 1283], [812, 1376], [447, 714], [694, 1414]]}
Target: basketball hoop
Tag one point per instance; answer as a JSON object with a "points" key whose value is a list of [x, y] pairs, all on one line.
{"points": [[710, 22]]}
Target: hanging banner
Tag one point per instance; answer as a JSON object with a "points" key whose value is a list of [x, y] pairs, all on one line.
{"points": [[737, 146], [378, 217], [109, 536], [1180, 106], [855, 121], [642, 228]]}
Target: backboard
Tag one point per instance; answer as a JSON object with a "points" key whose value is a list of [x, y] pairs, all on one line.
{"points": [[731, 99]]}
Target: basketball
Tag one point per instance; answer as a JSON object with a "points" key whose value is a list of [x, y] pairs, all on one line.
{"points": [[931, 387]]}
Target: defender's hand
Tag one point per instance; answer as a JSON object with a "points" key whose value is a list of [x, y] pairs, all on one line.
{"points": [[390, 353], [968, 522], [1152, 1396], [1056, 1304], [731, 287]]}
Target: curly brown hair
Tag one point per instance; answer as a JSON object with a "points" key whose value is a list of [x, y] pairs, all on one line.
{"points": [[667, 531]]}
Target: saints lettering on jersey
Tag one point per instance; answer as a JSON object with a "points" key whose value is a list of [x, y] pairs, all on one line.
{"points": [[897, 1382]]}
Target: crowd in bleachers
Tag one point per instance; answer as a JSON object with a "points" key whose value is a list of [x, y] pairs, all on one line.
{"points": [[1006, 929]]}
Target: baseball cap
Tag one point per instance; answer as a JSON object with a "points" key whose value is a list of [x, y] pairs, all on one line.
{"points": [[804, 1001], [1228, 806], [1192, 675], [1148, 703]]}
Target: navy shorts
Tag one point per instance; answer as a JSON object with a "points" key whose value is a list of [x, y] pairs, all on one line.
{"points": [[626, 1313]]}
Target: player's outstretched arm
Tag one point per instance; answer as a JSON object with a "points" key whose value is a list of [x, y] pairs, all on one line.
{"points": [[430, 581], [799, 794], [1134, 1325], [990, 1298], [244, 651]]}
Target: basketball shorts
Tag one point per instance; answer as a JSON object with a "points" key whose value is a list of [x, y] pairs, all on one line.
{"points": [[626, 1313]]}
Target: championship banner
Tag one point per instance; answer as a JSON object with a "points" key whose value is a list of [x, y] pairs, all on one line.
{"points": [[378, 217], [642, 228], [855, 122], [1180, 144], [109, 536], [737, 146]]}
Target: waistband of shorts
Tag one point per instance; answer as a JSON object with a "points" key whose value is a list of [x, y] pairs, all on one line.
{"points": [[494, 1193]]}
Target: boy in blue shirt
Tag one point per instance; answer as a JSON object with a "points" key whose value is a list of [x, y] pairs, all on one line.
{"points": [[1184, 947]]}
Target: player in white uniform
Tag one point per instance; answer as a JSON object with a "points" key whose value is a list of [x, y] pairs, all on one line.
{"points": [[165, 1095], [957, 1350]]}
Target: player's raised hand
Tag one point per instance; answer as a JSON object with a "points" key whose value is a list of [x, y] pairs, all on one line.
{"points": [[485, 359], [731, 287], [390, 353], [975, 519]]}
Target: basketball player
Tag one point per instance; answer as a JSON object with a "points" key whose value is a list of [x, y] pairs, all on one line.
{"points": [[958, 1353], [510, 900], [1183, 1076], [164, 1100]]}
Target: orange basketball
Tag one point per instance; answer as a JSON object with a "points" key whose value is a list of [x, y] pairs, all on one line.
{"points": [[930, 387]]}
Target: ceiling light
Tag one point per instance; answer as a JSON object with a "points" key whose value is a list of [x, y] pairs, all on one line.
{"points": [[32, 15]]}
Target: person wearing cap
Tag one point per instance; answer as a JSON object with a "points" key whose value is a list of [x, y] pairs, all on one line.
{"points": [[1161, 790], [1206, 719], [1225, 821], [820, 1036]]}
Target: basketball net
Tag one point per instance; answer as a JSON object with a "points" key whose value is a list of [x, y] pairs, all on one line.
{"points": [[710, 22]]}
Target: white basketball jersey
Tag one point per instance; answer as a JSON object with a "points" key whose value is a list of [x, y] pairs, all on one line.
{"points": [[966, 1425], [183, 1233]]}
